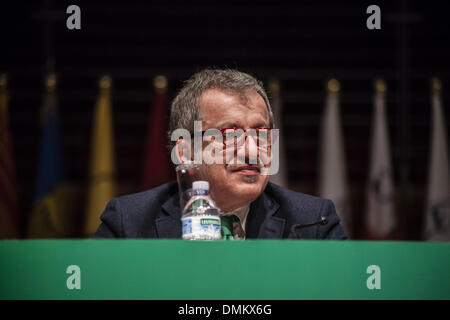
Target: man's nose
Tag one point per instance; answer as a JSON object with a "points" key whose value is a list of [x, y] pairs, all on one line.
{"points": [[251, 149]]}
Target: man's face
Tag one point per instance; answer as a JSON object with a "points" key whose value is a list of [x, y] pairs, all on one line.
{"points": [[234, 185]]}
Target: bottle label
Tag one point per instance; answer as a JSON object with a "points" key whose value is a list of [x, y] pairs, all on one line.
{"points": [[200, 192], [201, 227]]}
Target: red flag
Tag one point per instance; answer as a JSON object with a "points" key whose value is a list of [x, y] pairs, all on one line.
{"points": [[157, 167], [9, 220]]}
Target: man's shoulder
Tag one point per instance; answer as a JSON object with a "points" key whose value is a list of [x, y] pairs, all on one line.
{"points": [[289, 197], [158, 195], [302, 209], [299, 207], [133, 215]]}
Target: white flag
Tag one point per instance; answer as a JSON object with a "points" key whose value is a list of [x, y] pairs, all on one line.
{"points": [[333, 171], [281, 177], [437, 215], [380, 215]]}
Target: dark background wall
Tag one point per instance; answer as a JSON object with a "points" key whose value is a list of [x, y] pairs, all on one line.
{"points": [[300, 43]]}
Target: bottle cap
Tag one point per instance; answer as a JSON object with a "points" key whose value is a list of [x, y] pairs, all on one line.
{"points": [[200, 185]]}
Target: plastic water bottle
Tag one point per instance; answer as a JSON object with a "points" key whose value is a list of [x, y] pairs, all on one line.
{"points": [[201, 217]]}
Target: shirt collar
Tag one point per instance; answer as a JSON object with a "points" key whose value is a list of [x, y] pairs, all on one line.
{"points": [[241, 213]]}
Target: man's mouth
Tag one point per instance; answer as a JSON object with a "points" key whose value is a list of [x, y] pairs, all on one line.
{"points": [[250, 170]]}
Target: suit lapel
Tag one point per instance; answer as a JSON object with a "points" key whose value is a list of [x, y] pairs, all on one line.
{"points": [[168, 224], [262, 223]]}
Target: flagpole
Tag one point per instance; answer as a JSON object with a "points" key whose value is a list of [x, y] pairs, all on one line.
{"points": [[160, 83], [436, 86], [333, 86], [380, 87]]}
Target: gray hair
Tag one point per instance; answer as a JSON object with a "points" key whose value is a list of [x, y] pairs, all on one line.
{"points": [[185, 108]]}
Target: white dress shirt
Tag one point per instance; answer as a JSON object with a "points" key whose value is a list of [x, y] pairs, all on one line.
{"points": [[239, 226]]}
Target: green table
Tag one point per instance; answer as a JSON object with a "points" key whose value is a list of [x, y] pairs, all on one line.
{"points": [[222, 270]]}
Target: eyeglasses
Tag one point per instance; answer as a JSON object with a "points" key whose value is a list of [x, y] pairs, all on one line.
{"points": [[234, 136]]}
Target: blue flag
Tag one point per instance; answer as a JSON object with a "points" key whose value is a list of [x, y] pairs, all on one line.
{"points": [[49, 218], [49, 172]]}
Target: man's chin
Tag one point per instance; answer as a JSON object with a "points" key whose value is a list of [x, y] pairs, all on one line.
{"points": [[239, 190], [248, 185]]}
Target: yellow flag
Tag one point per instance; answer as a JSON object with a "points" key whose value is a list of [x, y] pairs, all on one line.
{"points": [[102, 168]]}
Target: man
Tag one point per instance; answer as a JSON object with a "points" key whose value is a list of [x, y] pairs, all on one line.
{"points": [[224, 99]]}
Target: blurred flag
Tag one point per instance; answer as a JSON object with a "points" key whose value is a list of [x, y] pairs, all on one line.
{"points": [[9, 220], [157, 168], [102, 185], [281, 177], [380, 215], [48, 218], [333, 172], [437, 215]]}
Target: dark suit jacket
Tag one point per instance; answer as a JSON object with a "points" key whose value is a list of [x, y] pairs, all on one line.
{"points": [[156, 214]]}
